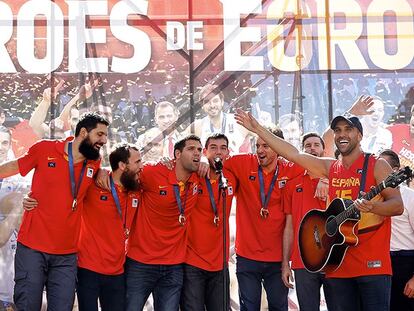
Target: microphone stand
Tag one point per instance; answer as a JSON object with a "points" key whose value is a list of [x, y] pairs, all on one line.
{"points": [[222, 194]]}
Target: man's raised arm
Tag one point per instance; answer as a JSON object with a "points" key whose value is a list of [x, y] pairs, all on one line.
{"points": [[317, 166]]}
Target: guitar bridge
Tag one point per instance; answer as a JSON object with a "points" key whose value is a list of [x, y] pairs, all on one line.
{"points": [[316, 236]]}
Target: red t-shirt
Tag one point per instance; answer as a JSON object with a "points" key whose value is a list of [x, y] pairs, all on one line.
{"points": [[403, 144], [157, 236], [298, 199], [257, 238], [102, 237], [52, 227], [205, 239], [371, 256]]}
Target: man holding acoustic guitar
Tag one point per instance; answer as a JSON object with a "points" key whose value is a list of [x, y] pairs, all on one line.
{"points": [[363, 278]]}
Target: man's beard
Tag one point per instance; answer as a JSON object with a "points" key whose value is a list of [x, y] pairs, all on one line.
{"points": [[87, 150], [128, 180]]}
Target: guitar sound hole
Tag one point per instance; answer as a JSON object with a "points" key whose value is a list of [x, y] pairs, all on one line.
{"points": [[331, 226]]}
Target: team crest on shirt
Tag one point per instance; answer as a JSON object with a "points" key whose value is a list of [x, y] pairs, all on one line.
{"points": [[195, 190], [200, 191], [299, 189], [51, 164], [163, 192], [104, 197], [251, 177], [282, 183], [230, 190], [359, 171], [89, 172], [134, 202]]}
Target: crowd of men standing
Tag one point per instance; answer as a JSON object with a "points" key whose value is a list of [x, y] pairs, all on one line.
{"points": [[158, 228]]}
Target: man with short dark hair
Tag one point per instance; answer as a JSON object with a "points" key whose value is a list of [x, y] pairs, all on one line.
{"points": [[299, 198], [158, 241], [364, 276], [260, 223], [48, 235], [204, 274]]}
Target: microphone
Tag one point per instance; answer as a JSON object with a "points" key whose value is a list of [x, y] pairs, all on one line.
{"points": [[218, 165]]}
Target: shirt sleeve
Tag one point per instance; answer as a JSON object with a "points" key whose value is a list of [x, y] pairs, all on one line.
{"points": [[29, 160], [408, 201], [287, 199]]}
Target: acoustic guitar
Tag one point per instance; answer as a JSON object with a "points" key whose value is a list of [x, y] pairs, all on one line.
{"points": [[325, 235]]}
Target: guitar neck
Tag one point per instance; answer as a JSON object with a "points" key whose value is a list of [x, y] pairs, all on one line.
{"points": [[352, 210]]}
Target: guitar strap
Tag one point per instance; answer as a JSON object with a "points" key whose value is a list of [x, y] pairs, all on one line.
{"points": [[364, 174]]}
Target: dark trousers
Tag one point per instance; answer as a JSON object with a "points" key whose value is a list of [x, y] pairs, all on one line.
{"points": [[204, 290], [402, 270], [367, 293], [308, 290], [163, 281], [250, 276], [34, 270], [109, 289]]}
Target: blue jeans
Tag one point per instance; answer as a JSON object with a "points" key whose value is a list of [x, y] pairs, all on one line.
{"points": [[204, 290], [109, 289], [250, 276], [34, 270], [308, 290], [366, 293], [163, 281]]}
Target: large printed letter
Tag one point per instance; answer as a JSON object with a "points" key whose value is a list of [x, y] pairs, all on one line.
{"points": [[26, 47], [234, 35], [276, 40], [404, 34], [136, 37], [345, 38], [79, 35], [6, 16]]}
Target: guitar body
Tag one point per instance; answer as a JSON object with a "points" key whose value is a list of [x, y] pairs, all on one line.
{"points": [[370, 221], [322, 243]]}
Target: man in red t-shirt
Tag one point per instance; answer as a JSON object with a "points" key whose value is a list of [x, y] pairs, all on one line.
{"points": [[106, 219], [157, 243], [204, 273], [298, 199], [364, 277], [260, 223], [48, 235]]}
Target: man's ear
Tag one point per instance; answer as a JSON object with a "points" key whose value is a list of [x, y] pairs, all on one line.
{"points": [[83, 132], [177, 154], [122, 166]]}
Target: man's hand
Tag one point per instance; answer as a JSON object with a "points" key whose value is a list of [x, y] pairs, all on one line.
{"points": [[87, 89], [47, 93], [364, 205], [409, 288], [29, 203], [362, 106], [246, 120], [204, 170], [287, 276], [322, 189], [166, 161], [102, 179]]}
